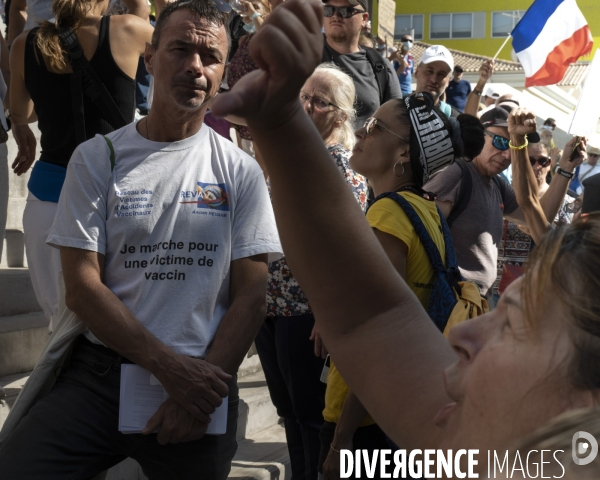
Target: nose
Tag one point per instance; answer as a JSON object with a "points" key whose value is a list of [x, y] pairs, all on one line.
{"points": [[506, 154], [361, 133], [194, 66], [467, 338], [307, 105]]}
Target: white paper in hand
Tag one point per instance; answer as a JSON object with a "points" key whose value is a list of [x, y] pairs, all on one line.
{"points": [[585, 118], [141, 396]]}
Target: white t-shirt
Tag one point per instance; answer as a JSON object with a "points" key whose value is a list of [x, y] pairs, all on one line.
{"points": [[169, 220], [587, 171]]}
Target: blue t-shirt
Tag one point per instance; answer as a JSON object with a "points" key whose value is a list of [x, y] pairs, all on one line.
{"points": [[457, 93], [405, 77]]}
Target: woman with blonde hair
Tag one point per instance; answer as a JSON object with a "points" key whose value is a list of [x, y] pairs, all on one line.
{"points": [[44, 88], [284, 341], [498, 377]]}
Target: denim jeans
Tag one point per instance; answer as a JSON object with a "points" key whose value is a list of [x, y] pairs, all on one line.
{"points": [[72, 432], [293, 375]]}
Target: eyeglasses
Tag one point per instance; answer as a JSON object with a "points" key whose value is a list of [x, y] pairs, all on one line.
{"points": [[318, 102], [371, 123], [498, 142], [345, 12], [593, 154], [543, 161]]}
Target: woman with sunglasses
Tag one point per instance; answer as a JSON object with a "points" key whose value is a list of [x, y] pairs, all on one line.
{"points": [[516, 244], [388, 152]]}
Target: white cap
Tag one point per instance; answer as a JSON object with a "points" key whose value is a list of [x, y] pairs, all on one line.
{"points": [[493, 91], [437, 53]]}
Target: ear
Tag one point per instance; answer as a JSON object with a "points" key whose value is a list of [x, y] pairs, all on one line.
{"points": [[365, 20], [149, 58]]}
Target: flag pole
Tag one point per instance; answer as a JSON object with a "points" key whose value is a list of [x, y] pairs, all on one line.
{"points": [[503, 45]]}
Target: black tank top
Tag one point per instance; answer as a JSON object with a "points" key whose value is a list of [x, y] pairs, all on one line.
{"points": [[51, 95]]}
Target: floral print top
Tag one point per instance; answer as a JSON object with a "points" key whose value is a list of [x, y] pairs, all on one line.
{"points": [[240, 65], [285, 298]]}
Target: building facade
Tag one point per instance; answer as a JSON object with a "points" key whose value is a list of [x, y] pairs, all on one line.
{"points": [[473, 25]]}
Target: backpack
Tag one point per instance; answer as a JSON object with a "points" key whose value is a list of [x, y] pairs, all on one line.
{"points": [[377, 64], [466, 189], [453, 300]]}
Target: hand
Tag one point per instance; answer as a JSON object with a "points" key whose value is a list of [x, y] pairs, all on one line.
{"points": [[196, 385], [26, 142], [320, 349], [486, 71], [521, 122], [287, 49], [249, 9], [394, 56], [570, 159], [331, 467], [176, 424]]}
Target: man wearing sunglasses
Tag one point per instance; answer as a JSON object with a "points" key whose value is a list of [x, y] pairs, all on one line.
{"points": [[373, 77], [591, 167], [475, 200]]}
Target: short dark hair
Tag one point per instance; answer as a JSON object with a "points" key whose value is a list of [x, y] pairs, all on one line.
{"points": [[458, 69], [550, 121], [205, 9]]}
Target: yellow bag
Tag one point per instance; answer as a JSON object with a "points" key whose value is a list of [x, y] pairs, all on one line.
{"points": [[470, 304]]}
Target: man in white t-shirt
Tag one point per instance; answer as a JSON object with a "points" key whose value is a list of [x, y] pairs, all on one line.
{"points": [[165, 261]]}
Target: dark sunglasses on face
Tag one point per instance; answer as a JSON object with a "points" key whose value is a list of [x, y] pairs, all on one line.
{"points": [[345, 12], [500, 143], [543, 161]]}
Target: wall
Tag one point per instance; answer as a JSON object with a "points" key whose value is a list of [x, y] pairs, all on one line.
{"points": [[488, 46]]}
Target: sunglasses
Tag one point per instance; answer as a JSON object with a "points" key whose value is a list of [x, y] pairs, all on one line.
{"points": [[543, 161], [498, 142], [345, 12], [318, 102], [371, 123]]}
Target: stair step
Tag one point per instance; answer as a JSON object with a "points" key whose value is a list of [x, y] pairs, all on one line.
{"points": [[17, 296], [22, 340]]}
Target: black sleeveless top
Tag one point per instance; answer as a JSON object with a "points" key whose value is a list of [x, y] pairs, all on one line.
{"points": [[51, 95]]}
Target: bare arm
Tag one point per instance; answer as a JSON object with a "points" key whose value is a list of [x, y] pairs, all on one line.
{"points": [[193, 383], [17, 18], [139, 8], [244, 317], [485, 73], [524, 181], [5, 68], [384, 314]]}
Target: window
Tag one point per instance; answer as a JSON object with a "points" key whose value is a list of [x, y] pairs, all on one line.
{"points": [[451, 25], [504, 22], [406, 23]]}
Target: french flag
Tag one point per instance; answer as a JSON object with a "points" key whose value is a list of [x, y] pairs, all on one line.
{"points": [[551, 35]]}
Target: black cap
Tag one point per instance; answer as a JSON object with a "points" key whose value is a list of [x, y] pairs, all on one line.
{"points": [[364, 3], [498, 117], [591, 194]]}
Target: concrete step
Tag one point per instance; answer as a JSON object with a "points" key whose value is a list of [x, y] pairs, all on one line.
{"points": [[22, 340], [263, 457], [16, 292]]}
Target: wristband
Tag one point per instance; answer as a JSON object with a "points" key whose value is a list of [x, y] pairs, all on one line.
{"points": [[520, 147], [477, 92], [331, 446], [564, 173], [254, 16]]}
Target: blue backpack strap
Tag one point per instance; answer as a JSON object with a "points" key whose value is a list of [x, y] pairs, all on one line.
{"points": [[430, 247]]}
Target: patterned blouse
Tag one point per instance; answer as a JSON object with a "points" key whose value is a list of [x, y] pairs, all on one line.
{"points": [[240, 65], [285, 298]]}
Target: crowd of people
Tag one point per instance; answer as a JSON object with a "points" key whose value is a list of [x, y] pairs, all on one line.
{"points": [[163, 237]]}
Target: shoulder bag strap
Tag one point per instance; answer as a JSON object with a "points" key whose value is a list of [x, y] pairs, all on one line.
{"points": [[381, 75], [464, 194], [89, 82]]}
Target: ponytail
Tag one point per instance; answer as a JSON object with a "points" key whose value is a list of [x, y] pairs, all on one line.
{"points": [[69, 14]]}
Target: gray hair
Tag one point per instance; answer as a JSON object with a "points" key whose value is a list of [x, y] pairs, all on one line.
{"points": [[343, 94]]}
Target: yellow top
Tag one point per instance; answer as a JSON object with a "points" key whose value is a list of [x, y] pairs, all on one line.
{"points": [[388, 217]]}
